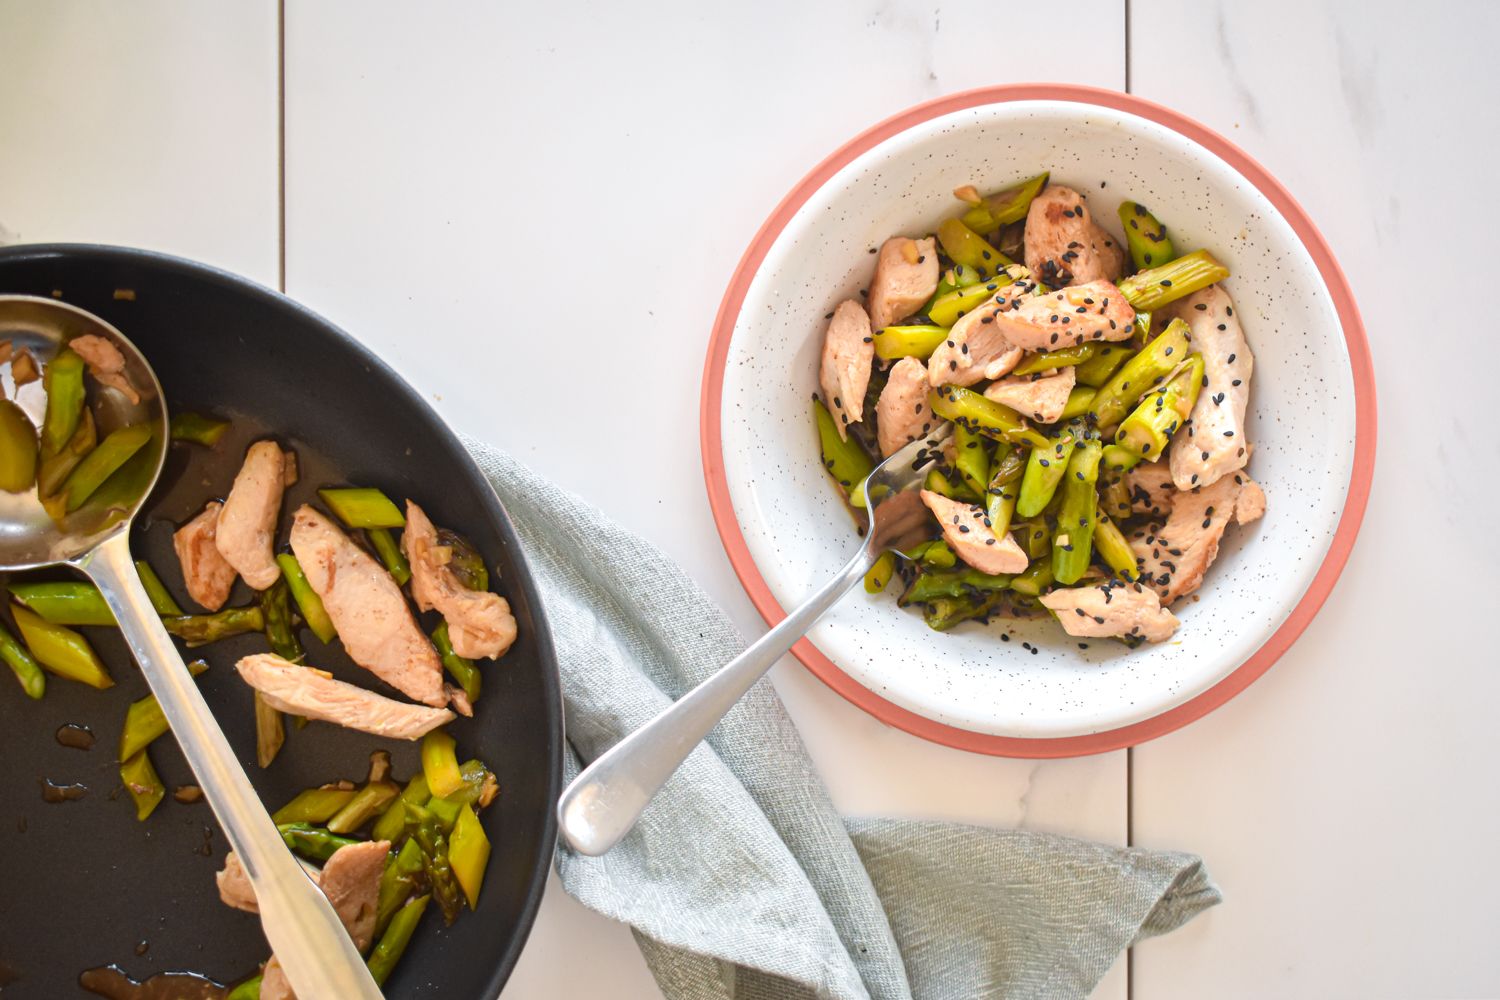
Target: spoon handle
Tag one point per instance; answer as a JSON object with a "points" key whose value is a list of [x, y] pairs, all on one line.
{"points": [[306, 935], [607, 798]]}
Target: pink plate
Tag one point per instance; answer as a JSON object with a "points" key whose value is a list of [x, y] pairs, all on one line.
{"points": [[1342, 525]]}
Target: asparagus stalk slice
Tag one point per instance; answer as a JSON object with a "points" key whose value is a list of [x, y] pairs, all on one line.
{"points": [[423, 827], [945, 612], [1004, 207], [971, 458], [313, 805], [461, 668], [968, 248], [1073, 544], [1098, 369], [1035, 536], [247, 990], [363, 507], [469, 854], [64, 602], [1117, 459], [270, 731], [61, 650], [198, 630], [312, 842], [398, 882], [1044, 361], [63, 380], [947, 309], [1150, 290], [197, 428], [465, 561], [1149, 428], [161, 598], [365, 805], [936, 553], [941, 483], [1045, 467], [143, 784], [397, 936], [18, 448], [1114, 549], [1138, 376], [144, 721], [931, 585], [308, 601], [479, 785], [880, 574], [895, 342], [1037, 578], [1004, 488], [1114, 495], [57, 466], [969, 409], [1145, 235], [440, 764], [392, 823], [390, 554], [23, 665], [844, 459], [103, 462], [1080, 398]]}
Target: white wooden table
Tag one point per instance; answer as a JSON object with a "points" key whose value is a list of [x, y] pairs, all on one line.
{"points": [[461, 184]]}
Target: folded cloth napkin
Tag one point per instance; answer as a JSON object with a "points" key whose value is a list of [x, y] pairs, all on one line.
{"points": [[742, 882]]}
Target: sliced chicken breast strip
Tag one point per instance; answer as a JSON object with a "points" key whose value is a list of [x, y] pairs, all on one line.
{"points": [[1151, 489], [246, 533], [367, 608], [1212, 442], [105, 363], [906, 275], [968, 531], [848, 353], [976, 349], [351, 881], [316, 694], [480, 624], [1064, 245], [901, 412], [1042, 397], [1088, 313], [1174, 556], [208, 575], [1126, 610]]}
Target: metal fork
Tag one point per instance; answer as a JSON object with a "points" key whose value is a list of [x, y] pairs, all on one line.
{"points": [[607, 798]]}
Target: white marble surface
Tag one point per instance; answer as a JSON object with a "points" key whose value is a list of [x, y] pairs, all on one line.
{"points": [[465, 184]]}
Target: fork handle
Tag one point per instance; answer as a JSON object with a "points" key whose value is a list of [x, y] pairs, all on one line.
{"points": [[607, 798]]}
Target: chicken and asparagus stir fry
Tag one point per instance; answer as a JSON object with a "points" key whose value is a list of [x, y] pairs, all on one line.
{"points": [[1096, 394], [382, 851]]}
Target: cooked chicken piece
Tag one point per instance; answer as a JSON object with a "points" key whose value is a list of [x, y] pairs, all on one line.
{"points": [[367, 608], [1080, 314], [1250, 505], [23, 368], [105, 362], [1174, 556], [975, 348], [351, 881], [1212, 442], [901, 413], [480, 624], [1115, 608], [246, 533], [906, 275], [1151, 489], [848, 352], [458, 698], [208, 576], [1064, 245], [968, 531], [234, 885], [1042, 396], [315, 694]]}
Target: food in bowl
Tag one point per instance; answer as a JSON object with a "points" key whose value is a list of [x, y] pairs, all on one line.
{"points": [[1096, 390], [382, 851]]}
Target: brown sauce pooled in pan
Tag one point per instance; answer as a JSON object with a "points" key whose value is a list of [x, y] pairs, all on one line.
{"points": [[54, 792], [78, 737], [109, 981]]}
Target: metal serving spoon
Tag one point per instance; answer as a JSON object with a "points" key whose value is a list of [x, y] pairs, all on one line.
{"points": [[607, 798], [306, 935]]}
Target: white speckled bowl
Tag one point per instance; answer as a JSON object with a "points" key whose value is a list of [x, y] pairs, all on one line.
{"points": [[1312, 421]]}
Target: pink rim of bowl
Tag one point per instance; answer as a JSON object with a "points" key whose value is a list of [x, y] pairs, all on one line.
{"points": [[1259, 661]]}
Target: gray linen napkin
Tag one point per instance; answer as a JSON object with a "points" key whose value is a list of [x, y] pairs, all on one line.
{"points": [[742, 882]]}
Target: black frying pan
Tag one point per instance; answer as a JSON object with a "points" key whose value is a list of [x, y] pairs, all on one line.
{"points": [[82, 884]]}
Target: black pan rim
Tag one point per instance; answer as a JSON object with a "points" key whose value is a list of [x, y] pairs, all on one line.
{"points": [[546, 650]]}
